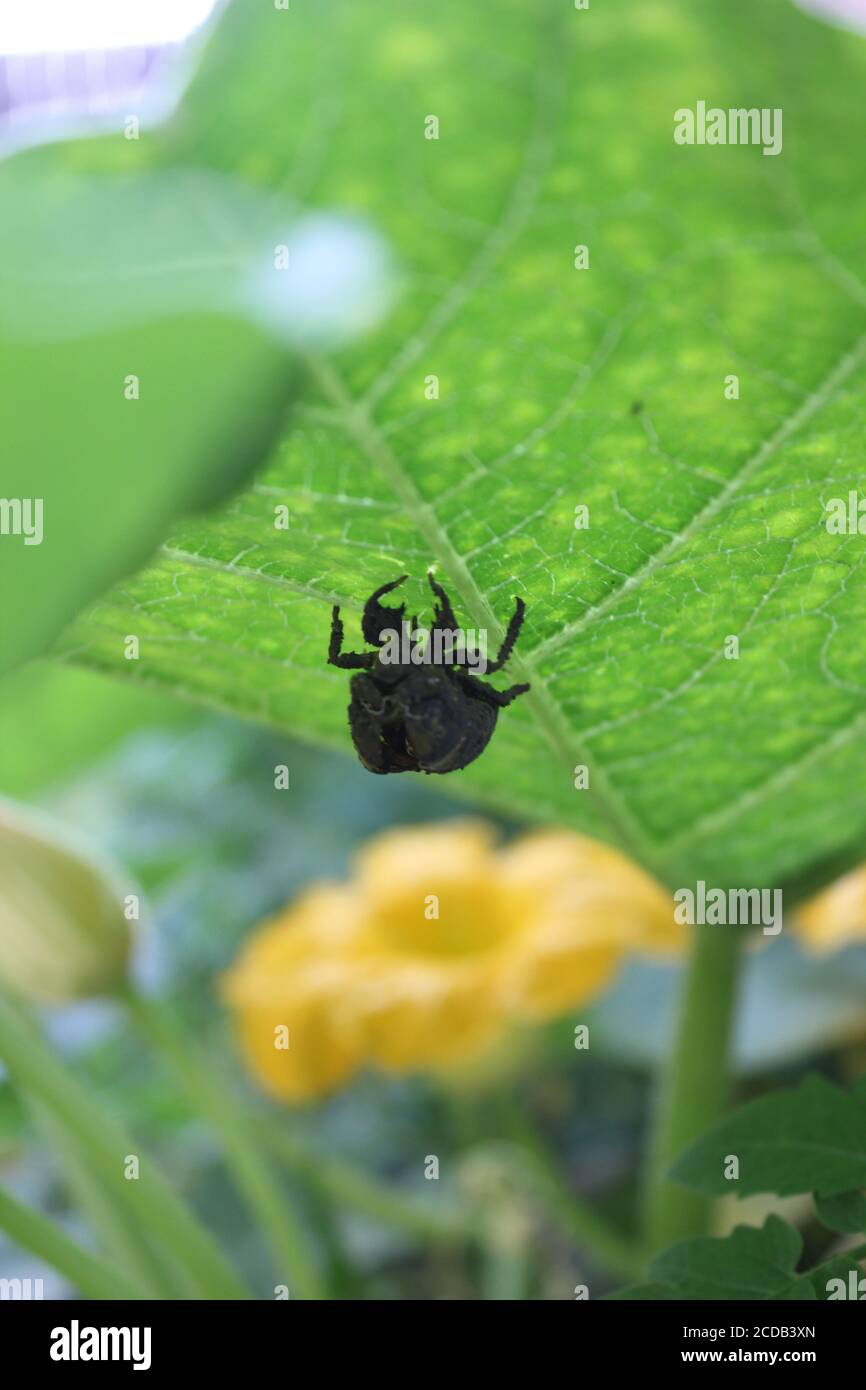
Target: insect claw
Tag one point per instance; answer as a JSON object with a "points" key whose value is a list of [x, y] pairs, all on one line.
{"points": [[377, 617]]}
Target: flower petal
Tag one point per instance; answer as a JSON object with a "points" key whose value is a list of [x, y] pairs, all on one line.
{"points": [[411, 1014], [433, 890], [287, 991], [560, 967], [835, 917], [557, 874]]}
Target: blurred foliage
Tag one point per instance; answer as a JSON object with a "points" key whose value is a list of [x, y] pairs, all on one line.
{"points": [[187, 803], [212, 865], [761, 1262]]}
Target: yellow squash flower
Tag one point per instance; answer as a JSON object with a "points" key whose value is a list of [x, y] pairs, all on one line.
{"points": [[835, 917], [438, 944]]}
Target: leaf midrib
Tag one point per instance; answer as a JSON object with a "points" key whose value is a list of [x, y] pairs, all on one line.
{"points": [[621, 823]]}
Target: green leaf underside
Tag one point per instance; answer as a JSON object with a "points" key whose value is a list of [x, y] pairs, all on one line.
{"points": [[561, 387], [750, 1263], [808, 1139]]}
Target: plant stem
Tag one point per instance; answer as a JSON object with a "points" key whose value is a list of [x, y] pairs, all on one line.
{"points": [[504, 1273], [694, 1091], [86, 1272], [577, 1219], [345, 1183], [122, 1238], [104, 1144], [285, 1236], [574, 1216]]}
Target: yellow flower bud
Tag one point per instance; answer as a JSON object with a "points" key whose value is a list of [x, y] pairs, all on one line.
{"points": [[63, 933]]}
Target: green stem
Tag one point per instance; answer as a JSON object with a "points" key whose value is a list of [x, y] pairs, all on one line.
{"points": [[122, 1238], [285, 1236], [85, 1272], [574, 1217], [504, 1273], [694, 1091], [584, 1226], [37, 1069], [344, 1183]]}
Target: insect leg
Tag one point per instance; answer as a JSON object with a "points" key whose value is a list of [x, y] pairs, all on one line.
{"points": [[510, 637], [442, 610], [499, 698], [504, 697], [347, 661], [377, 618]]}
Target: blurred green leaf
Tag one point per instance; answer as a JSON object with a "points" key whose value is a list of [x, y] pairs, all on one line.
{"points": [[839, 1267], [749, 1263], [145, 328], [560, 388], [647, 1293], [811, 1138], [55, 720], [844, 1212]]}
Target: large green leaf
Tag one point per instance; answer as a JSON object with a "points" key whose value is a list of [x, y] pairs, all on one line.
{"points": [[560, 387]]}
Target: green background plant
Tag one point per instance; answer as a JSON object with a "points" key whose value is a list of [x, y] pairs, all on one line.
{"points": [[808, 1138]]}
